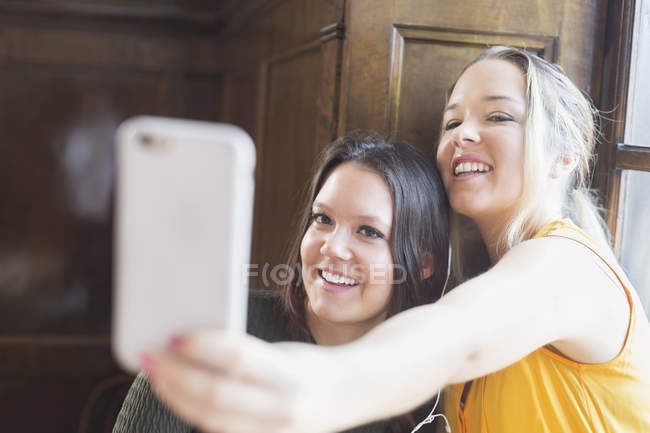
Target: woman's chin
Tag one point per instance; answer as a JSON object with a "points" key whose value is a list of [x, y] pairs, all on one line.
{"points": [[329, 312]]}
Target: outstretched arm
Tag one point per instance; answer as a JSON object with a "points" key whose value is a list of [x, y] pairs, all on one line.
{"points": [[544, 291]]}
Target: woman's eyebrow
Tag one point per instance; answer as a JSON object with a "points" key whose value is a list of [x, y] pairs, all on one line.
{"points": [[488, 98], [502, 97], [372, 219], [320, 205], [449, 107]]}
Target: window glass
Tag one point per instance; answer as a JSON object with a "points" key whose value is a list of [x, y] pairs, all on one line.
{"points": [[635, 239], [637, 130], [634, 204]]}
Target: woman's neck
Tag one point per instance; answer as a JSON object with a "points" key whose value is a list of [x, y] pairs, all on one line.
{"points": [[327, 333], [493, 228]]}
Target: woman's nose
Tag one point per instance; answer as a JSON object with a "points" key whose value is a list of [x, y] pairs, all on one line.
{"points": [[466, 134], [336, 245]]}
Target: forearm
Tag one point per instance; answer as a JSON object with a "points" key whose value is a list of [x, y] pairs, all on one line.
{"points": [[480, 327], [394, 368]]}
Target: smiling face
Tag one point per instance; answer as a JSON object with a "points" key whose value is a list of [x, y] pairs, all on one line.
{"points": [[481, 152], [346, 254]]}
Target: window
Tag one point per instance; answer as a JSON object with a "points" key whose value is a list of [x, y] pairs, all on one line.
{"points": [[632, 227]]}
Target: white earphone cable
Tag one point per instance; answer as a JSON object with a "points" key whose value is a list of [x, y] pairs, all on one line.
{"points": [[431, 417]]}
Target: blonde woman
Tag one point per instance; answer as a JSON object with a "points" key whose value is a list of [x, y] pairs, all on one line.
{"points": [[552, 338]]}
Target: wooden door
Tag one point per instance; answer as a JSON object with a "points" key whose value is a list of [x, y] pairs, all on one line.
{"points": [[402, 55], [283, 73]]}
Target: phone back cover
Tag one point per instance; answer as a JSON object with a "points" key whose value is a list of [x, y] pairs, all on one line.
{"points": [[183, 231]]}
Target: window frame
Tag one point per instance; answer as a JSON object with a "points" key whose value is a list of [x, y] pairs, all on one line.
{"points": [[614, 155]]}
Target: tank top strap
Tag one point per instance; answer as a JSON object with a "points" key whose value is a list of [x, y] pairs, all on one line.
{"points": [[568, 230], [564, 228]]}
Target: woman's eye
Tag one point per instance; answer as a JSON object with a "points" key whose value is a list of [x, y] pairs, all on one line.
{"points": [[451, 124], [499, 118], [321, 218], [369, 232]]}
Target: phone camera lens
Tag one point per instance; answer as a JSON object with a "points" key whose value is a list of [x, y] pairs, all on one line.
{"points": [[152, 142]]}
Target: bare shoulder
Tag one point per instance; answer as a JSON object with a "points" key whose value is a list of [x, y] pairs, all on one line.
{"points": [[591, 303], [549, 251]]}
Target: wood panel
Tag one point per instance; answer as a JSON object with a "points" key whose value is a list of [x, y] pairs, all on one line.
{"points": [[383, 60], [188, 15], [284, 84], [58, 183], [64, 90], [633, 158], [286, 145], [424, 61]]}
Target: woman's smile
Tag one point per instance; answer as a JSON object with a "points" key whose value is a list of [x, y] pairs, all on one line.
{"points": [[468, 165]]}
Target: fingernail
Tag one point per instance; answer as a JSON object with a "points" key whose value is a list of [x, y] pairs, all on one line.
{"points": [[148, 364], [176, 342]]}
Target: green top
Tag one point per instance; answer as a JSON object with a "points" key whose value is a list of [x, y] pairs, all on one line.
{"points": [[142, 412]]}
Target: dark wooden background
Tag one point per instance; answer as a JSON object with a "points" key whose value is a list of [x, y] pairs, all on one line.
{"points": [[293, 73]]}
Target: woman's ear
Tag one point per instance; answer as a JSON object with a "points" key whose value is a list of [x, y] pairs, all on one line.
{"points": [[427, 267], [564, 165]]}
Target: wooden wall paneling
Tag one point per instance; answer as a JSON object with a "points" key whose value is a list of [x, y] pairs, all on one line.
{"points": [[60, 379], [295, 46], [64, 91], [363, 94], [76, 47], [286, 147], [424, 62], [289, 139], [204, 97], [188, 15], [58, 171], [582, 33], [368, 68], [254, 32], [54, 405], [328, 101], [57, 193]]}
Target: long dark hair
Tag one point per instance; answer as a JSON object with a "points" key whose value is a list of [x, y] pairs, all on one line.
{"points": [[420, 219]]}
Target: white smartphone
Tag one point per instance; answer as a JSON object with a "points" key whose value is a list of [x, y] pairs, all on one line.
{"points": [[183, 217]]}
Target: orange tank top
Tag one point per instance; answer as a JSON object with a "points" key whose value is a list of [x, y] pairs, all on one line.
{"points": [[546, 392]]}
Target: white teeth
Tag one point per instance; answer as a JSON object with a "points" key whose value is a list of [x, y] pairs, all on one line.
{"points": [[471, 167], [338, 279]]}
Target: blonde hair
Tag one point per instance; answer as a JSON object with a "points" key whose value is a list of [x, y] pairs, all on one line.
{"points": [[560, 123]]}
